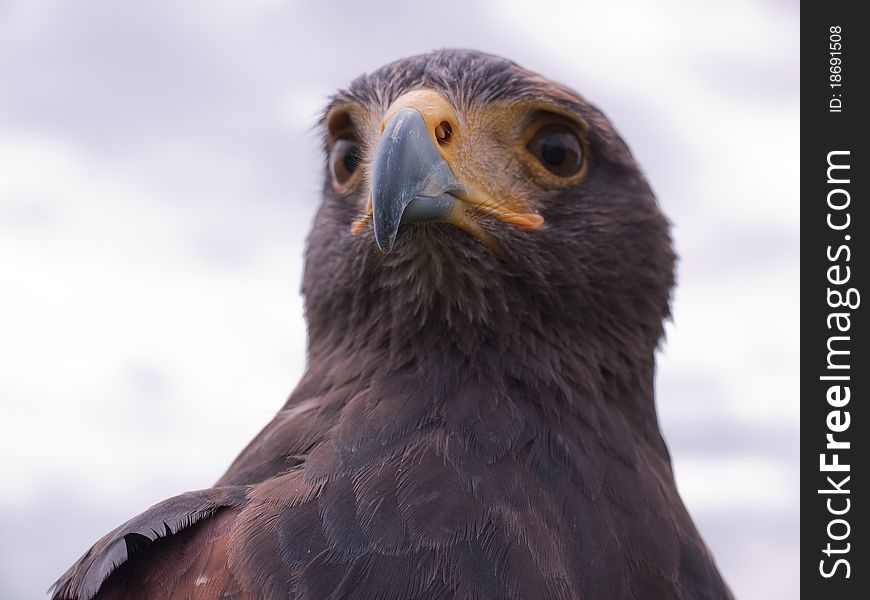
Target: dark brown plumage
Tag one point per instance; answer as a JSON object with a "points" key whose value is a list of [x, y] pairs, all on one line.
{"points": [[477, 416]]}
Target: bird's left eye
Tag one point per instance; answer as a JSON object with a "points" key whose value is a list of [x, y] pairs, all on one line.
{"points": [[558, 149], [344, 159]]}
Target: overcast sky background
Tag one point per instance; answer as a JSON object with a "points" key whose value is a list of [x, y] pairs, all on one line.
{"points": [[158, 174]]}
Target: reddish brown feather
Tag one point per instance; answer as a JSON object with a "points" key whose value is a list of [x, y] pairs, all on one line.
{"points": [[190, 565]]}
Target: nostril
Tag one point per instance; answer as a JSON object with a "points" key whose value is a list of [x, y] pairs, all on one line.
{"points": [[443, 133]]}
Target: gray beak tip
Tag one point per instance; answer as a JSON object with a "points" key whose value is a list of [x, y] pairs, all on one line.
{"points": [[385, 246], [386, 230]]}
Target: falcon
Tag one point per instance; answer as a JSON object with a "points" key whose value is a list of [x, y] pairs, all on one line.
{"points": [[485, 285]]}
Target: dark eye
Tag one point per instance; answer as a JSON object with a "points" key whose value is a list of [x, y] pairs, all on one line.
{"points": [[558, 148], [344, 159]]}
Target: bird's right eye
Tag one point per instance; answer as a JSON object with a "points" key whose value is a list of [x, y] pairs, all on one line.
{"points": [[344, 160]]}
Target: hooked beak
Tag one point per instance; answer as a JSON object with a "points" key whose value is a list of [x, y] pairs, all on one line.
{"points": [[411, 181], [413, 177]]}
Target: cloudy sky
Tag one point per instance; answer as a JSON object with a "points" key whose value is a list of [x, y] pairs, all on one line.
{"points": [[159, 172]]}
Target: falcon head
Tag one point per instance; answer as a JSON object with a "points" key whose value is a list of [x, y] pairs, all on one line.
{"points": [[463, 189]]}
